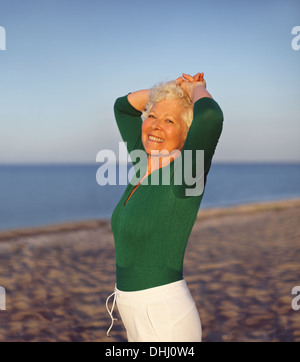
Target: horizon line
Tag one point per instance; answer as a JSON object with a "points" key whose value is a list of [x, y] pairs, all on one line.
{"points": [[72, 163]]}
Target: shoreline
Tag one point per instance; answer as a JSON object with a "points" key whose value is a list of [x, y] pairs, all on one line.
{"points": [[206, 213]]}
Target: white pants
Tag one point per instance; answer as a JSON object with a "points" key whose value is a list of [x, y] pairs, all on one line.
{"points": [[162, 314]]}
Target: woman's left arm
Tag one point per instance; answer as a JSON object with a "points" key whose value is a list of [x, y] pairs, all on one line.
{"points": [[203, 135]]}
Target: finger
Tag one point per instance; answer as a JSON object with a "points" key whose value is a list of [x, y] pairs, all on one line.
{"points": [[188, 77], [201, 77], [179, 81], [197, 77]]}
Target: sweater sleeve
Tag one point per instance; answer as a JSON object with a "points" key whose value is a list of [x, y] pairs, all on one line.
{"points": [[199, 148], [129, 122]]}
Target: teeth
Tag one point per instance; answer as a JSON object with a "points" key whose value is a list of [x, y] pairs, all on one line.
{"points": [[156, 139]]}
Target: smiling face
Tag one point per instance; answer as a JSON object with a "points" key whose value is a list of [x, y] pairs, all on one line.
{"points": [[164, 128]]}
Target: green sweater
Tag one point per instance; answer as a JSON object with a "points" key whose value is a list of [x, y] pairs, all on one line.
{"points": [[151, 230]]}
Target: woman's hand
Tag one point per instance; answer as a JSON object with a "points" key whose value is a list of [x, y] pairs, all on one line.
{"points": [[195, 86]]}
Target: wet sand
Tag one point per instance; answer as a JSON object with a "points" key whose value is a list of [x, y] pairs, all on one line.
{"points": [[241, 264]]}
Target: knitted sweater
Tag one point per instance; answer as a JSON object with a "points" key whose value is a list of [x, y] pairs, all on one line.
{"points": [[151, 228]]}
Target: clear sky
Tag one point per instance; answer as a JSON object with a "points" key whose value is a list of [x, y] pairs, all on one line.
{"points": [[66, 61]]}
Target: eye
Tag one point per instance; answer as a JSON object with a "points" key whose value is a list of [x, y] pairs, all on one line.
{"points": [[151, 116], [169, 121]]}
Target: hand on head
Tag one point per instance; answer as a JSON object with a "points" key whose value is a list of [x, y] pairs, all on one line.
{"points": [[199, 77], [188, 83]]}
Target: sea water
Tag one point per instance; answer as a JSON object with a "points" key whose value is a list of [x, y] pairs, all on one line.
{"points": [[37, 195]]}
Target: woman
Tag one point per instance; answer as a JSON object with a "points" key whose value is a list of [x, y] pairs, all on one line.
{"points": [[152, 222]]}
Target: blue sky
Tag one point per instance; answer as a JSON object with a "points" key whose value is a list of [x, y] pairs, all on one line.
{"points": [[66, 61]]}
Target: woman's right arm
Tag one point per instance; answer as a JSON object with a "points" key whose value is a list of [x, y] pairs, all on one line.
{"points": [[128, 111], [139, 99]]}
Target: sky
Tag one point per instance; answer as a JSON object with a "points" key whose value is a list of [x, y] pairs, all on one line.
{"points": [[66, 62]]}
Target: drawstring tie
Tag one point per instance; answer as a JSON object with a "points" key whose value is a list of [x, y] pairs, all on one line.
{"points": [[110, 312]]}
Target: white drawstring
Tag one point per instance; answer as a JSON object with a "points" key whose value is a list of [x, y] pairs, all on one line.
{"points": [[110, 312]]}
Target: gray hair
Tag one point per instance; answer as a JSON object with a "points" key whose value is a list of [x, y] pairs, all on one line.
{"points": [[170, 90]]}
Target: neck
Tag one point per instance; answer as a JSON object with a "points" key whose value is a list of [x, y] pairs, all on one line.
{"points": [[156, 161]]}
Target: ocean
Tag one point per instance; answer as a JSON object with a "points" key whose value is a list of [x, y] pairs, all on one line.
{"points": [[38, 195]]}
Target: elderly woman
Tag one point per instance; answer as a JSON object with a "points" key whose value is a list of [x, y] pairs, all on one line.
{"points": [[152, 222]]}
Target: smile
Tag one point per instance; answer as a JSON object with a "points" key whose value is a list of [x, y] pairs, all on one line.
{"points": [[155, 139]]}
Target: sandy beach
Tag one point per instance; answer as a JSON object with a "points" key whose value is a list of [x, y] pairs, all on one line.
{"points": [[241, 264]]}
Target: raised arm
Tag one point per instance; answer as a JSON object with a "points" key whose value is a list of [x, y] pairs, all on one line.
{"points": [[139, 99], [203, 134], [128, 111]]}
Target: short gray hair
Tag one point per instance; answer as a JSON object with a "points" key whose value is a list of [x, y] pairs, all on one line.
{"points": [[170, 90]]}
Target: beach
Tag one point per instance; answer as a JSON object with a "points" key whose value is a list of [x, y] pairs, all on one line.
{"points": [[241, 265]]}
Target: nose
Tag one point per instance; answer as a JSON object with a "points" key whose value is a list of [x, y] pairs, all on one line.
{"points": [[156, 124]]}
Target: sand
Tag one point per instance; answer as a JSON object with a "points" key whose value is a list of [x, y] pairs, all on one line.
{"points": [[241, 264]]}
